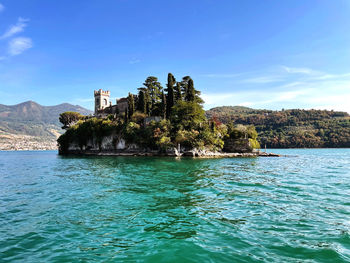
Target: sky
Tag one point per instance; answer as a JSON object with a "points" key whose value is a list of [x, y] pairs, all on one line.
{"points": [[263, 54]]}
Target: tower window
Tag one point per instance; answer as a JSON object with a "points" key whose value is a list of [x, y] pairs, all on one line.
{"points": [[105, 101]]}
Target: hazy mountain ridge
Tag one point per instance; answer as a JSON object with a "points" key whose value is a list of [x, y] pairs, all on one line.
{"points": [[32, 111], [33, 123]]}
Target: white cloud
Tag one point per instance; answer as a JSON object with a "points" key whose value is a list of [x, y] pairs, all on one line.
{"points": [[19, 45], [14, 29], [233, 75], [218, 99], [134, 61], [306, 71], [1, 7], [328, 93], [264, 79]]}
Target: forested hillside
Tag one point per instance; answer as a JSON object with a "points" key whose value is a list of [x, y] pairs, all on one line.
{"points": [[291, 128]]}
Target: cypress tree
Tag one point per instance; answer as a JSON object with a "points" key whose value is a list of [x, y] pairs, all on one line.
{"points": [[141, 103], [126, 116], [190, 91], [178, 94], [131, 105], [170, 94], [149, 105], [184, 85], [212, 126], [163, 106]]}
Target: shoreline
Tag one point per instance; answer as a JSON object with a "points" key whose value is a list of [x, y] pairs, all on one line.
{"points": [[185, 154]]}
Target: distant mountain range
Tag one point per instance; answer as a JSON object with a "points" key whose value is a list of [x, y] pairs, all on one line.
{"points": [[30, 125], [32, 121]]}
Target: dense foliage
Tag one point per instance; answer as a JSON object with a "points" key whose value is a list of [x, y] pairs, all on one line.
{"points": [[291, 128], [69, 118], [157, 119]]}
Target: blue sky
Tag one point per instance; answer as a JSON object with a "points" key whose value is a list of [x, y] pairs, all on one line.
{"points": [[257, 53]]}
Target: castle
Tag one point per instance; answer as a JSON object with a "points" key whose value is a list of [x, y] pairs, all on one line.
{"points": [[104, 107]]}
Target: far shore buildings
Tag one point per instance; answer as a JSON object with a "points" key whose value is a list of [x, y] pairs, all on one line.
{"points": [[104, 107]]}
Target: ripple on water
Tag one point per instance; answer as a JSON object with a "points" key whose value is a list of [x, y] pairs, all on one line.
{"points": [[104, 209]]}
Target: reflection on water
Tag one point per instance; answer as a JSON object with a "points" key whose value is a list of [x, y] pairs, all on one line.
{"points": [[106, 209]]}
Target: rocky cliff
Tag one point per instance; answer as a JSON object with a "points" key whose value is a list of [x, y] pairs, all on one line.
{"points": [[115, 145]]}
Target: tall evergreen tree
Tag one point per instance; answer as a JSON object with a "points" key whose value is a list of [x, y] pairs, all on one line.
{"points": [[131, 105], [146, 105], [163, 107], [190, 91], [141, 102], [154, 90], [184, 85], [126, 116], [178, 94], [170, 94]]}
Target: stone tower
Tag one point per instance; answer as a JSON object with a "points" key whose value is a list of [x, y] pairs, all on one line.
{"points": [[101, 100]]}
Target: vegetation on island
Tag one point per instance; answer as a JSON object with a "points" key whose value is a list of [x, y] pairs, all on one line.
{"points": [[158, 118], [291, 128], [69, 117]]}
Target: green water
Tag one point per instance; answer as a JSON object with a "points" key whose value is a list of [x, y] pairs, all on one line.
{"points": [[114, 209]]}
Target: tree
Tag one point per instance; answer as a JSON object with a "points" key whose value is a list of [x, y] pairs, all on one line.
{"points": [[184, 84], [178, 94], [190, 92], [146, 104], [187, 115], [131, 105], [163, 106], [160, 132], [69, 118], [154, 90], [126, 116], [170, 94], [141, 103]]}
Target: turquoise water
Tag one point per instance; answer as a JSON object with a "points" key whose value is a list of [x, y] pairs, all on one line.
{"points": [[114, 209]]}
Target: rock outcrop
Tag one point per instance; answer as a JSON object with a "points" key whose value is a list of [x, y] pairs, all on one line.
{"points": [[113, 146]]}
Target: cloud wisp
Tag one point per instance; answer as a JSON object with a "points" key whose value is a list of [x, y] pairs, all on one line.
{"points": [[134, 61], [15, 29], [222, 76], [275, 75], [1, 7], [306, 88], [305, 71], [19, 45], [16, 45]]}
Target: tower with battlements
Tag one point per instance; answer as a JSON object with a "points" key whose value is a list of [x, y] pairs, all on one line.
{"points": [[101, 100]]}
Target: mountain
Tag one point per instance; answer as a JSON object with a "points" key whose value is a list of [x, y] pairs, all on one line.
{"points": [[29, 123], [291, 128], [34, 112]]}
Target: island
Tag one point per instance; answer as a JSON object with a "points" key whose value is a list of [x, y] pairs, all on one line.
{"points": [[157, 121]]}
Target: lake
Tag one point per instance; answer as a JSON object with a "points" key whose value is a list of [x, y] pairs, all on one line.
{"points": [[146, 209]]}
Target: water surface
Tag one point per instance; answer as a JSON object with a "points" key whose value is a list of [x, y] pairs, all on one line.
{"points": [[135, 209]]}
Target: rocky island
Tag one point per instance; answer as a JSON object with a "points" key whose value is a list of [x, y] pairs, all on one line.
{"points": [[157, 121]]}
